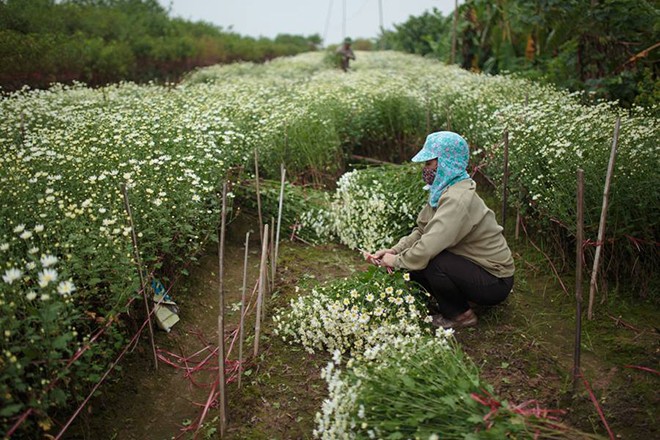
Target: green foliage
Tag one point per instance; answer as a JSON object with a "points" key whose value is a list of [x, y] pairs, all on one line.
{"points": [[426, 34], [301, 207], [112, 40], [599, 48]]}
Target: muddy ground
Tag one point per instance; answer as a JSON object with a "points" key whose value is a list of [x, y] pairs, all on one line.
{"points": [[523, 347]]}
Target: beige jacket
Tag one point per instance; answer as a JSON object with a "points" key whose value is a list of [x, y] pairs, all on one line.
{"points": [[461, 224]]}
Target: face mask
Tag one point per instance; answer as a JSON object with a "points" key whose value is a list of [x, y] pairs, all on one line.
{"points": [[428, 175]]}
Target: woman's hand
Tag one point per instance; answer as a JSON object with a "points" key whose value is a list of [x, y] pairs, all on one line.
{"points": [[388, 260], [376, 257], [379, 254]]}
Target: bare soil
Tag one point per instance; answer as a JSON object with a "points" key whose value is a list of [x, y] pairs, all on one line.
{"points": [[524, 348]]}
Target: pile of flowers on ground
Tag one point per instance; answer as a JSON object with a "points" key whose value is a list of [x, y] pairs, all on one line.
{"points": [[423, 387], [353, 314], [391, 377]]}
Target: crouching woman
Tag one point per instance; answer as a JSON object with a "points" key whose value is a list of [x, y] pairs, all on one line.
{"points": [[457, 250]]}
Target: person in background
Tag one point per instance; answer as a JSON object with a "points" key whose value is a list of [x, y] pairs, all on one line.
{"points": [[457, 250], [345, 53]]}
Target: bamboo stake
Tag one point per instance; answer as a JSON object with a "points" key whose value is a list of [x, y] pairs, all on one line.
{"points": [[138, 263], [603, 217], [242, 324], [518, 217], [453, 33], [279, 223], [260, 295], [256, 174], [221, 316], [505, 178], [579, 252], [271, 252]]}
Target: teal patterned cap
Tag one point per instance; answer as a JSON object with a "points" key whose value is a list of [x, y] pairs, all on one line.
{"points": [[453, 154], [442, 143]]}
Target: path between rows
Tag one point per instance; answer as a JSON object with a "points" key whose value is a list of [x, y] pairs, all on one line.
{"points": [[522, 347]]}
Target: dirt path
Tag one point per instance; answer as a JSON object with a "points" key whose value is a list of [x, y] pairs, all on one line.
{"points": [[282, 391], [146, 404], [524, 349]]}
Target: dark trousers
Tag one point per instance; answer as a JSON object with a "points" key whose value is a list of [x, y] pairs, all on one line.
{"points": [[453, 281]]}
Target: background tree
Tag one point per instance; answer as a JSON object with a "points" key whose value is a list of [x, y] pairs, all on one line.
{"points": [[607, 49], [102, 41]]}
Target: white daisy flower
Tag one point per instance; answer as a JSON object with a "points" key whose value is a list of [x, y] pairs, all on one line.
{"points": [[65, 288], [46, 277], [48, 260], [12, 275]]}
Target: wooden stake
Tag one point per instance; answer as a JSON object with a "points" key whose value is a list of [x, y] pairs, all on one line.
{"points": [[453, 33], [579, 252], [603, 217], [256, 177], [138, 263], [279, 222], [428, 116], [242, 324], [271, 252], [221, 316], [505, 177], [260, 295], [518, 218]]}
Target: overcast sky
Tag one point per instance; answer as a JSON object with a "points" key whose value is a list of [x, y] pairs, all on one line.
{"points": [[304, 17]]}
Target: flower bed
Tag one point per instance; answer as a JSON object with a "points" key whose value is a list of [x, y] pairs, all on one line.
{"points": [[67, 150]]}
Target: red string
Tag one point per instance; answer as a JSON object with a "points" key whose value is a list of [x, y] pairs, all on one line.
{"points": [[594, 243], [523, 409], [112, 366], [489, 401], [594, 400], [647, 369]]}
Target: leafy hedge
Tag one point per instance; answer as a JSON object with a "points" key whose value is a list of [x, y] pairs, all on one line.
{"points": [[105, 41]]}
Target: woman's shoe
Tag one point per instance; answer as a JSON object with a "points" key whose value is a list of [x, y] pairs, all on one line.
{"points": [[466, 319], [436, 319]]}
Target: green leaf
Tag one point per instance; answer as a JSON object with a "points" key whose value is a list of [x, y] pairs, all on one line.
{"points": [[94, 281], [60, 342], [10, 410], [58, 396]]}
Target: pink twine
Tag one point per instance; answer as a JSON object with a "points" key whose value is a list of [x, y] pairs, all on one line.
{"points": [[594, 400], [647, 369]]}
